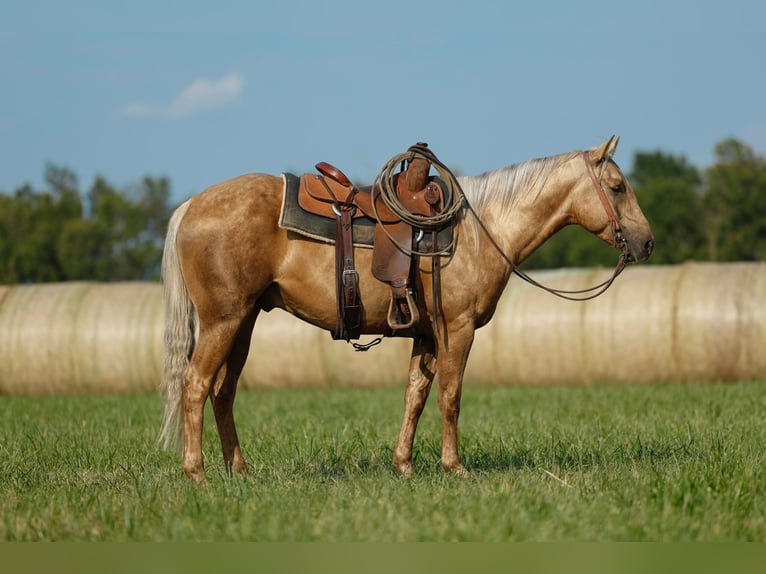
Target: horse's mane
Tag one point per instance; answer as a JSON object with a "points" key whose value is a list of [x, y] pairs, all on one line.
{"points": [[500, 189]]}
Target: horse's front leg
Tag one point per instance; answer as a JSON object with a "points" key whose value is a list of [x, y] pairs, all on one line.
{"points": [[454, 348], [421, 375]]}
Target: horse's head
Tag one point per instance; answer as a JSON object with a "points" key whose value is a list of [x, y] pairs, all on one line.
{"points": [[606, 205]]}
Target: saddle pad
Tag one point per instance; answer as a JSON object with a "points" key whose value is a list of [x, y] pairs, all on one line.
{"points": [[294, 218]]}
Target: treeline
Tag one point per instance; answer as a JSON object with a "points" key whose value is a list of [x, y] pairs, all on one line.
{"points": [[61, 233]]}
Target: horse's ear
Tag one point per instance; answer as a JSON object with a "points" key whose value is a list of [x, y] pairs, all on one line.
{"points": [[613, 147], [604, 151]]}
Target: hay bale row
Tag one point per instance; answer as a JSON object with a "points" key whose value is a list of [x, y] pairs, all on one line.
{"points": [[80, 337], [692, 322]]}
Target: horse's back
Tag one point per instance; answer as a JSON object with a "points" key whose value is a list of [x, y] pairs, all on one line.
{"points": [[237, 197]]}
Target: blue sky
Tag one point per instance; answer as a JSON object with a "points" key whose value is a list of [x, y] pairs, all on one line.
{"points": [[202, 91]]}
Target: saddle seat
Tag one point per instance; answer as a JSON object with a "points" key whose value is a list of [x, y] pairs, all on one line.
{"points": [[331, 194]]}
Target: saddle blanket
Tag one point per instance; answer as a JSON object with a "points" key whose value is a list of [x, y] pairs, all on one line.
{"points": [[294, 218]]}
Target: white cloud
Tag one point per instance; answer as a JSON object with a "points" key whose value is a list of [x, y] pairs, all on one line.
{"points": [[200, 95], [204, 94]]}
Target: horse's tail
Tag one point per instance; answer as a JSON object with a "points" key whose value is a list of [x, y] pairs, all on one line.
{"points": [[180, 335]]}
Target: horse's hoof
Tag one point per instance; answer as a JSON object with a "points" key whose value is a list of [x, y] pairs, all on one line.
{"points": [[238, 468], [458, 470], [404, 468], [196, 474]]}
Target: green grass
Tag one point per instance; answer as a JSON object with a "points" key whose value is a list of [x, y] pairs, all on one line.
{"points": [[661, 463]]}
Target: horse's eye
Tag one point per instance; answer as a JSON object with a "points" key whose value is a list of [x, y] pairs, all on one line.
{"points": [[618, 187]]}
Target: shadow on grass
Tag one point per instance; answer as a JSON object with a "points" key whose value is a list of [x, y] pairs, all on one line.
{"points": [[484, 456], [571, 455]]}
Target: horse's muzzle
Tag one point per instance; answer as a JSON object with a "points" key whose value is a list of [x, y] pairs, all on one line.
{"points": [[643, 253], [636, 250]]}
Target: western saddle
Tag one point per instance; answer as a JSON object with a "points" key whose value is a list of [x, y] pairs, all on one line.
{"points": [[331, 194]]}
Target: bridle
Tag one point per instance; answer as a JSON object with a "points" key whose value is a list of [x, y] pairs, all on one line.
{"points": [[619, 242]]}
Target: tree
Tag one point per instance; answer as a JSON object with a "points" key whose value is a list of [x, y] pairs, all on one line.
{"points": [[649, 167], [33, 224], [132, 228], [7, 221], [736, 201], [153, 200], [668, 191], [47, 236]]}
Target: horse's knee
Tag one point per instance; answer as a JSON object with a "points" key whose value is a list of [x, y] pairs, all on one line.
{"points": [[449, 405]]}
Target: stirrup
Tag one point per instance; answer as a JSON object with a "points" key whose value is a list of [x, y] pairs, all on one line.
{"points": [[398, 316]]}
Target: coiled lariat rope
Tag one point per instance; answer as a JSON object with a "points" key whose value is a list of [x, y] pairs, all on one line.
{"points": [[454, 198]]}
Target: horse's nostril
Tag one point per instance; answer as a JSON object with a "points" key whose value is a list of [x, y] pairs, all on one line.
{"points": [[649, 247]]}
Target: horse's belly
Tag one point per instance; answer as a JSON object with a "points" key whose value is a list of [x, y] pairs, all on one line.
{"points": [[306, 287]]}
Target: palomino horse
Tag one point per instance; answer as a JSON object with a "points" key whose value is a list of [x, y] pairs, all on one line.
{"points": [[226, 259]]}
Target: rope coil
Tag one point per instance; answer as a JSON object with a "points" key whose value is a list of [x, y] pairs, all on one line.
{"points": [[454, 198]]}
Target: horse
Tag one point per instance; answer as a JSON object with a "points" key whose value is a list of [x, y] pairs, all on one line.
{"points": [[226, 259]]}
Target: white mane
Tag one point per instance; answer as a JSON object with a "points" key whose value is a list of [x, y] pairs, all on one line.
{"points": [[499, 190]]}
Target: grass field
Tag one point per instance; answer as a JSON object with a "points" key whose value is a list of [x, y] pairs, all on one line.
{"points": [[660, 463]]}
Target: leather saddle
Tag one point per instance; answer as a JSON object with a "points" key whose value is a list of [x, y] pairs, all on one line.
{"points": [[331, 194]]}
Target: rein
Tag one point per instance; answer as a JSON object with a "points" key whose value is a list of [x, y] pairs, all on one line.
{"points": [[619, 240]]}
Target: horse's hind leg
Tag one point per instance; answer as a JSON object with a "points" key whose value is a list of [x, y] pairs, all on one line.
{"points": [[421, 375], [222, 396], [209, 358]]}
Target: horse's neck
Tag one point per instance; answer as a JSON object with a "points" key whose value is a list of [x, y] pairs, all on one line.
{"points": [[522, 218]]}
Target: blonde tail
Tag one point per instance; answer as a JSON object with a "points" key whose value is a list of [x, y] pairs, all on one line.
{"points": [[180, 335]]}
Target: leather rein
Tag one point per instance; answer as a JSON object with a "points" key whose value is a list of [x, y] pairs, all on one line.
{"points": [[619, 242]]}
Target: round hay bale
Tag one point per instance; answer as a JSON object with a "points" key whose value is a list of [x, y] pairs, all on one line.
{"points": [[76, 337], [719, 327], [691, 322]]}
